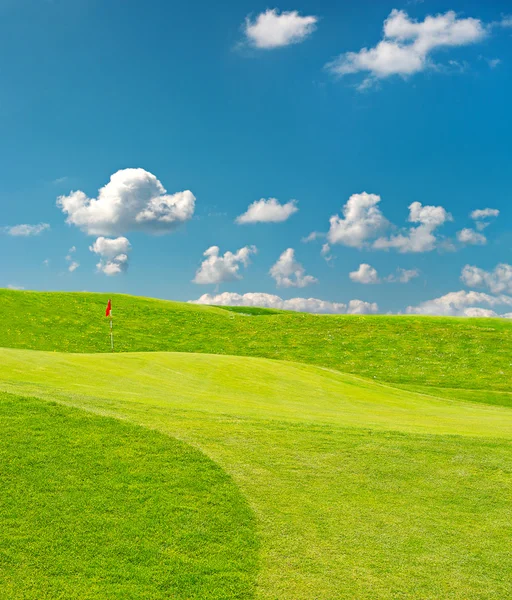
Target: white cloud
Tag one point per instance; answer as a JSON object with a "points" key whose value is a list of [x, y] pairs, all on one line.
{"points": [[46, 262], [420, 238], [494, 62], [313, 305], [325, 252], [368, 275], [12, 286], [365, 274], [407, 45], [460, 304], [497, 281], [72, 264], [506, 21], [361, 221], [113, 254], [314, 235], [480, 217], [484, 213], [403, 275], [268, 211], [287, 272], [219, 269], [470, 236], [25, 230], [273, 30], [359, 307], [134, 199]]}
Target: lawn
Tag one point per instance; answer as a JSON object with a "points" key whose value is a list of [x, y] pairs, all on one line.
{"points": [[344, 486], [93, 507]]}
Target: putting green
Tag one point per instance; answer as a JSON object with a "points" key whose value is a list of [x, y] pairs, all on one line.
{"points": [[360, 490]]}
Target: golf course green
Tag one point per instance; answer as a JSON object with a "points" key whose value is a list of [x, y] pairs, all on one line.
{"points": [[251, 454]]}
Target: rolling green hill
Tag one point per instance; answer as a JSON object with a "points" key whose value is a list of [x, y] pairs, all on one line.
{"points": [[420, 351], [346, 486]]}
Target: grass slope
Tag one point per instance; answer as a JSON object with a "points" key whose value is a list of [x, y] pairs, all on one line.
{"points": [[353, 498], [94, 508], [410, 351]]}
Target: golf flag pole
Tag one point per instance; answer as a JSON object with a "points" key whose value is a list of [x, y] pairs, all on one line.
{"points": [[108, 313]]}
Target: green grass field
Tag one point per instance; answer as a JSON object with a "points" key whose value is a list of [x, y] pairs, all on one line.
{"points": [[373, 460]]}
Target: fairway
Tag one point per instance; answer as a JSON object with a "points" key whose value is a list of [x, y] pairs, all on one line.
{"points": [[317, 483]]}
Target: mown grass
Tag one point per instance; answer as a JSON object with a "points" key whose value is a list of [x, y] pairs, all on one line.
{"points": [[360, 488], [94, 508], [426, 351], [348, 512]]}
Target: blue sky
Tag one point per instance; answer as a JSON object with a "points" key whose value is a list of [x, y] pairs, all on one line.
{"points": [[236, 104]]}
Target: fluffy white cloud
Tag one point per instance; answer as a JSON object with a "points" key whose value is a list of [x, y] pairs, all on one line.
{"points": [[313, 305], [403, 275], [365, 274], [470, 236], [134, 199], [461, 304], [361, 221], [289, 273], [273, 30], [113, 253], [484, 213], [268, 211], [480, 217], [25, 230], [420, 238], [219, 269], [12, 286], [407, 45], [368, 275], [497, 281]]}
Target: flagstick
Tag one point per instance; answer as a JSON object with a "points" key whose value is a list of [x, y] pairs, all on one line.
{"points": [[111, 335]]}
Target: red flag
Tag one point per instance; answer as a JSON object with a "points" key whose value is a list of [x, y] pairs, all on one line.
{"points": [[108, 312]]}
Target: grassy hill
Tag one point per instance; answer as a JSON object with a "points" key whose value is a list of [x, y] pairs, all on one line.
{"points": [[420, 351], [345, 486]]}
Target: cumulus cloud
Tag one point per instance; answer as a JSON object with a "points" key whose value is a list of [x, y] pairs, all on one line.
{"points": [[497, 281], [365, 274], [25, 230], [461, 304], [113, 253], [12, 286], [72, 264], [482, 215], [470, 236], [133, 200], [219, 269], [287, 272], [362, 220], [407, 45], [420, 238], [403, 275], [312, 305], [268, 211], [273, 30], [368, 275]]}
